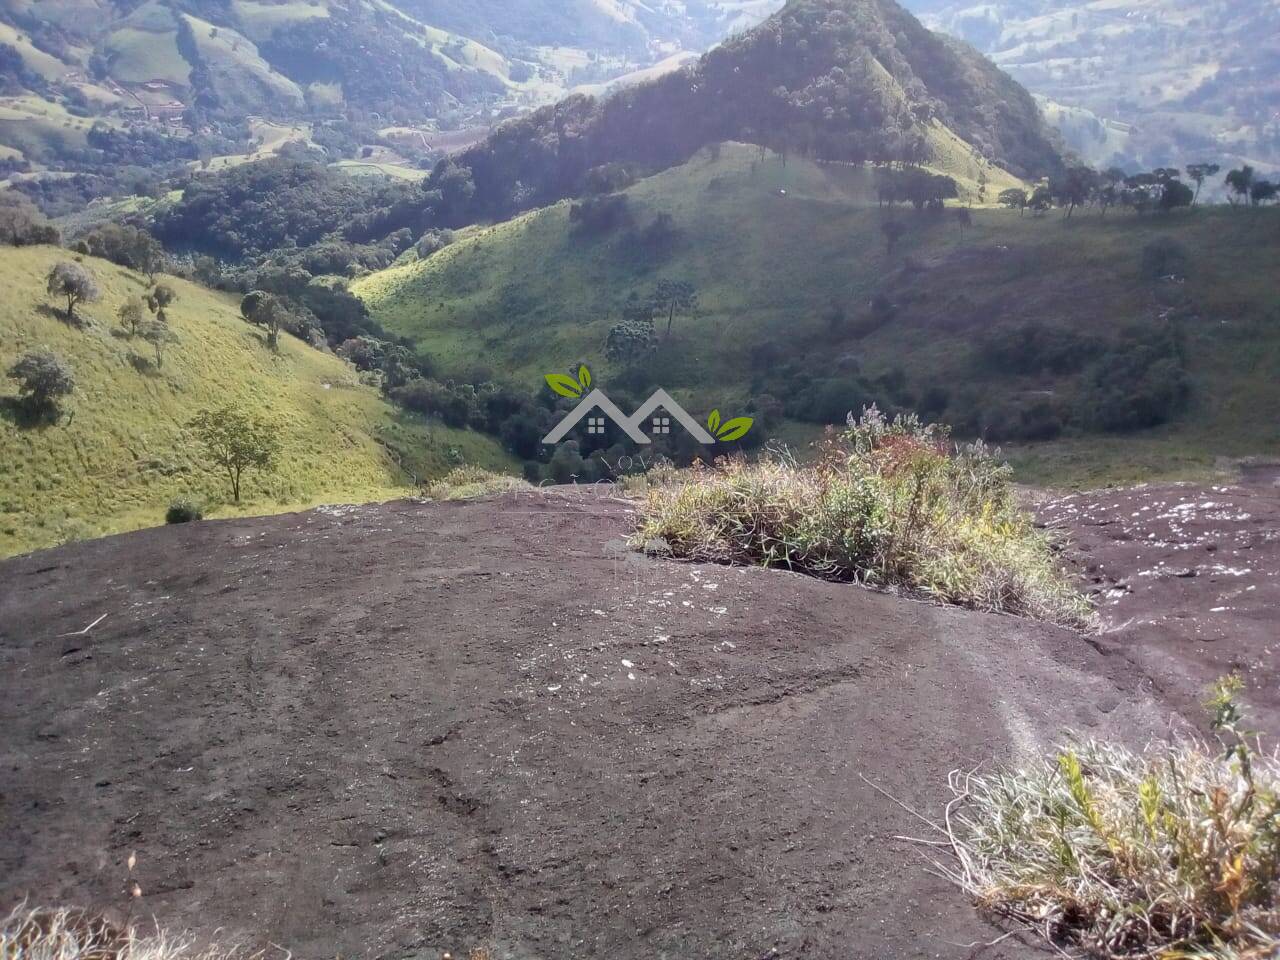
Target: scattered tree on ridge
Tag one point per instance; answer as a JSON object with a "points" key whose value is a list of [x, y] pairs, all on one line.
{"points": [[1260, 191], [1199, 172], [159, 298], [43, 379], [132, 313], [264, 310], [672, 296], [236, 442], [75, 283], [157, 333], [1073, 188], [1240, 181]]}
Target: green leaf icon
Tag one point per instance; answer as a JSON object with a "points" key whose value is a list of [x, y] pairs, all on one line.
{"points": [[584, 377], [713, 421], [734, 429], [564, 385]]}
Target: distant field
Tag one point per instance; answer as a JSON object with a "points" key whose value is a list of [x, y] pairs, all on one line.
{"points": [[362, 168], [271, 136], [773, 248], [122, 452], [142, 55], [260, 19], [38, 128], [36, 60], [239, 71]]}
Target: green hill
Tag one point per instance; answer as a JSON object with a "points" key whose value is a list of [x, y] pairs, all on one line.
{"points": [[849, 81], [1018, 328], [121, 452]]}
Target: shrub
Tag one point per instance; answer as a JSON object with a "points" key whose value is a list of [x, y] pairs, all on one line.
{"points": [[72, 934], [183, 511], [468, 482], [432, 242], [1135, 388], [827, 401], [455, 406], [888, 504], [600, 215], [1170, 852]]}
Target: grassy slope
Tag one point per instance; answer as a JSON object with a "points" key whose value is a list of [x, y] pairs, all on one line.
{"points": [[527, 297], [124, 454]]}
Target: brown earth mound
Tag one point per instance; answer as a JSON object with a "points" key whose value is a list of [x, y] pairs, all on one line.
{"points": [[403, 729]]}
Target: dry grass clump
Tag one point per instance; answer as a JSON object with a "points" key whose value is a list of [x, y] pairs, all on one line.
{"points": [[468, 482], [1170, 853], [887, 504], [73, 934]]}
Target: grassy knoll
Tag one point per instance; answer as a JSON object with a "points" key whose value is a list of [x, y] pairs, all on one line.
{"points": [[791, 257], [121, 452]]}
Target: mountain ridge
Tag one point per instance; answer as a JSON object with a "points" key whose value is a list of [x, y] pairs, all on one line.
{"points": [[837, 80]]}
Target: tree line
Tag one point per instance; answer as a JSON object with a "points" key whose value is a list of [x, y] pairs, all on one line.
{"points": [[1161, 189]]}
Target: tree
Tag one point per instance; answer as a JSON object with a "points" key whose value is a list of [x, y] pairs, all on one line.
{"points": [[630, 341], [264, 310], [921, 187], [1107, 189], [157, 333], [132, 313], [1199, 172], [236, 442], [1014, 199], [1072, 188], [1260, 191], [1241, 182], [671, 296], [21, 224], [161, 296], [75, 282], [127, 246], [43, 378], [1041, 200], [1174, 194]]}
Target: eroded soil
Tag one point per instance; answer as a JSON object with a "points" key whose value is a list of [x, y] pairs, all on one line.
{"points": [[396, 730]]}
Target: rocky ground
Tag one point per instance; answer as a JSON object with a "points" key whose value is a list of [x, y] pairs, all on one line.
{"points": [[396, 730], [1187, 579]]}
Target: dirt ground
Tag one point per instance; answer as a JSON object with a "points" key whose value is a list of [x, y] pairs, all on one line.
{"points": [[396, 730]]}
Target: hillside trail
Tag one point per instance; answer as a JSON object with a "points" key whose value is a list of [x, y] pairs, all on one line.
{"points": [[403, 729]]}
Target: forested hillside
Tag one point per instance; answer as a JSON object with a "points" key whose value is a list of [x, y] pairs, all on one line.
{"points": [[794, 292]]}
